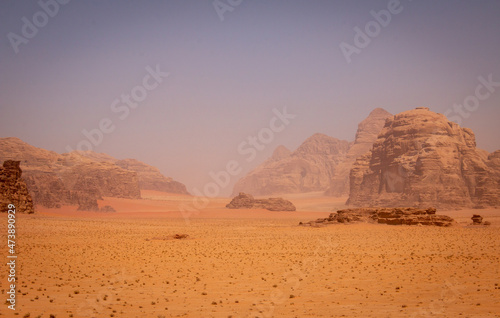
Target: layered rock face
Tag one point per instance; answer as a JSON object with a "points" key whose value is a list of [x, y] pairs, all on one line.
{"points": [[102, 179], [488, 191], [13, 189], [247, 201], [366, 135], [79, 178], [391, 216], [150, 178], [309, 168], [47, 189], [422, 159]]}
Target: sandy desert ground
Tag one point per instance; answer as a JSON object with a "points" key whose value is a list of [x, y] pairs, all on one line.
{"points": [[248, 263]]}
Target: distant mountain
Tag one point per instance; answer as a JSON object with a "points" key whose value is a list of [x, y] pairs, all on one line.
{"points": [[309, 168], [150, 178], [281, 152], [422, 159], [81, 177], [366, 135], [321, 163]]}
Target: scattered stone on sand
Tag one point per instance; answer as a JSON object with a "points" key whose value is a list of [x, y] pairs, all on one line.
{"points": [[13, 189], [247, 201], [391, 216], [169, 237]]}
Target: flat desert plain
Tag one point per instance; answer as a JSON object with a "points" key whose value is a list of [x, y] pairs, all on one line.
{"points": [[248, 263]]}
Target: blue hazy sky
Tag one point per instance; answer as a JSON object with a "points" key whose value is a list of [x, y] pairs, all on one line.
{"points": [[225, 77]]}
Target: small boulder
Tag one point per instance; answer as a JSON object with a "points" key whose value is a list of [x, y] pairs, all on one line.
{"points": [[477, 219]]}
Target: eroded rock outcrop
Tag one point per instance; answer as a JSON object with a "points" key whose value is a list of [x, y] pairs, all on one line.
{"points": [[391, 216], [47, 189], [13, 189], [150, 178], [247, 201], [82, 177], [102, 179], [422, 159]]}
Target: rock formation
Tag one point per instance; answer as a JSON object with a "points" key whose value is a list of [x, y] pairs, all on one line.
{"points": [[247, 201], [422, 159], [391, 216], [102, 179], [488, 189], [81, 178], [47, 189], [309, 168], [476, 219], [13, 189], [150, 178], [321, 163], [86, 203], [366, 135]]}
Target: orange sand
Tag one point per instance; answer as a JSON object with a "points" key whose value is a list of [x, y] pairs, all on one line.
{"points": [[248, 263]]}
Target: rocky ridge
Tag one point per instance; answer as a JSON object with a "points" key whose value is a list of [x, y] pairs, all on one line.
{"points": [[80, 178], [150, 178]]}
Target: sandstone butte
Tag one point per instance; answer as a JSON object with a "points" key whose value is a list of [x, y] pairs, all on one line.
{"points": [[421, 159], [13, 189], [81, 178], [320, 163]]}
